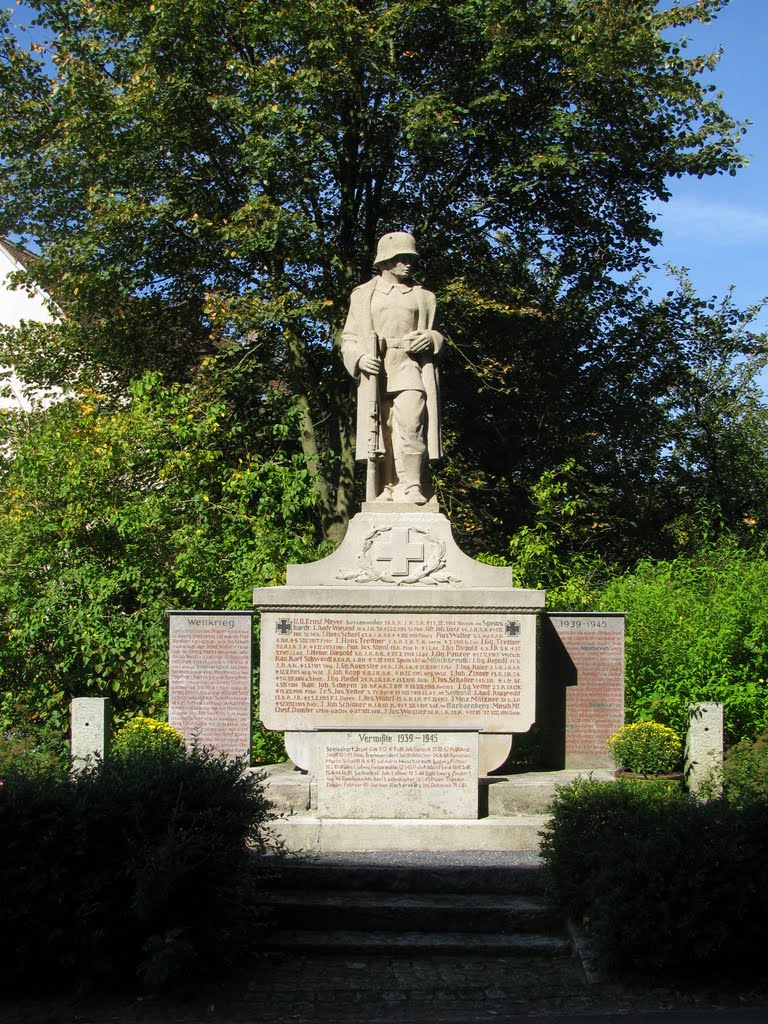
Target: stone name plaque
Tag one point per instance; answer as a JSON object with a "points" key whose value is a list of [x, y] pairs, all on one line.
{"points": [[595, 705], [369, 670], [390, 774], [209, 679]]}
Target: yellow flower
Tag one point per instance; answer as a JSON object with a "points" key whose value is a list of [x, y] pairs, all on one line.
{"points": [[142, 733]]}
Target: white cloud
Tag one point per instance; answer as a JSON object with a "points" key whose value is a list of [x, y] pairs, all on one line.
{"points": [[713, 224]]}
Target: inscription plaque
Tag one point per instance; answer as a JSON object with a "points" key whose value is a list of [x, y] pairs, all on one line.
{"points": [[595, 706], [475, 671], [390, 774], [209, 679]]}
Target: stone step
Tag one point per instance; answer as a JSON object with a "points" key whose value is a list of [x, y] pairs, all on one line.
{"points": [[309, 834], [312, 875], [414, 912], [530, 792], [421, 904], [405, 942]]}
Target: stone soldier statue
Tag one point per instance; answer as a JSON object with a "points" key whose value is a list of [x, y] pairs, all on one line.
{"points": [[391, 345]]}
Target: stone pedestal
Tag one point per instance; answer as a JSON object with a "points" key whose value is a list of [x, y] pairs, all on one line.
{"points": [[704, 749], [91, 722], [514, 809], [398, 634]]}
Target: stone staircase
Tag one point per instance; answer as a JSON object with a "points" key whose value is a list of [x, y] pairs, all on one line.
{"points": [[415, 906]]}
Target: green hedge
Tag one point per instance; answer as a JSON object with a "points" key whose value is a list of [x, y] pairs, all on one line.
{"points": [[697, 630], [663, 883], [145, 869], [745, 771]]}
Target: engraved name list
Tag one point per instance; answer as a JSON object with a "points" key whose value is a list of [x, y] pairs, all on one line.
{"points": [[476, 671]]}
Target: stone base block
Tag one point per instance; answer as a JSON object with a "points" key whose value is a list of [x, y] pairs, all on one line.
{"points": [[288, 790], [386, 774], [91, 726], [294, 793], [532, 792], [305, 834]]}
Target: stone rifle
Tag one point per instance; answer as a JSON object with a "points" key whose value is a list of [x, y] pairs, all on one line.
{"points": [[375, 446]]}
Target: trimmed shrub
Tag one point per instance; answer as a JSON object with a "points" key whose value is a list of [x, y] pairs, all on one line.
{"points": [[662, 882], [267, 746], [30, 755], [745, 771], [646, 748], [145, 868]]}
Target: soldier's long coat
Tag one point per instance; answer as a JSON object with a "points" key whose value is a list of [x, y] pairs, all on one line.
{"points": [[355, 343]]}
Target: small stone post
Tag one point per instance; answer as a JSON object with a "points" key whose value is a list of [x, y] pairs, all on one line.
{"points": [[704, 749], [91, 725]]}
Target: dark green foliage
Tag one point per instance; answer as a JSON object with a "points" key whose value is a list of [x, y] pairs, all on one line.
{"points": [[267, 746], [198, 173], [663, 883], [141, 870], [29, 754], [714, 469], [114, 512], [745, 770], [697, 630]]}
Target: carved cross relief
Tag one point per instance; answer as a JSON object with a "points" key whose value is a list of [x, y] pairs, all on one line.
{"points": [[399, 550]]}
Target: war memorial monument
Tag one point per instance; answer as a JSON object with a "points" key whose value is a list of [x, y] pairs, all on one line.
{"points": [[400, 668]]}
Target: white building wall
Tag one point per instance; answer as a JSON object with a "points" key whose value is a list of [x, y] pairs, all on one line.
{"points": [[17, 305]]}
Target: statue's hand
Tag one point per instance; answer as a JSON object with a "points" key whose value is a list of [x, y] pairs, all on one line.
{"points": [[369, 364], [419, 341]]}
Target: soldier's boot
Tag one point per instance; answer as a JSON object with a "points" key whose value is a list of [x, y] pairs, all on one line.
{"points": [[410, 479]]}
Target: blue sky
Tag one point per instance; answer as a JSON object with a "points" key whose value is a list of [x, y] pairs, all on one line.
{"points": [[718, 227]]}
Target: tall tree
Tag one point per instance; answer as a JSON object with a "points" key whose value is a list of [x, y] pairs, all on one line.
{"points": [[715, 466], [198, 174]]}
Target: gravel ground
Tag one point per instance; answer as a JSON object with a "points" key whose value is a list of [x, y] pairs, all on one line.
{"points": [[343, 989]]}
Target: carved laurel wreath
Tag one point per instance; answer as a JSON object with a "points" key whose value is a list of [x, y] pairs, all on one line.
{"points": [[429, 573]]}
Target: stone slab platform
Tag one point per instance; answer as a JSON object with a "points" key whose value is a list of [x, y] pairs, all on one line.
{"points": [[295, 792], [309, 834], [516, 813], [532, 792]]}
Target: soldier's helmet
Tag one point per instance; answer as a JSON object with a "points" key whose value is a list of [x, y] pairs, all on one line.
{"points": [[396, 243]]}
